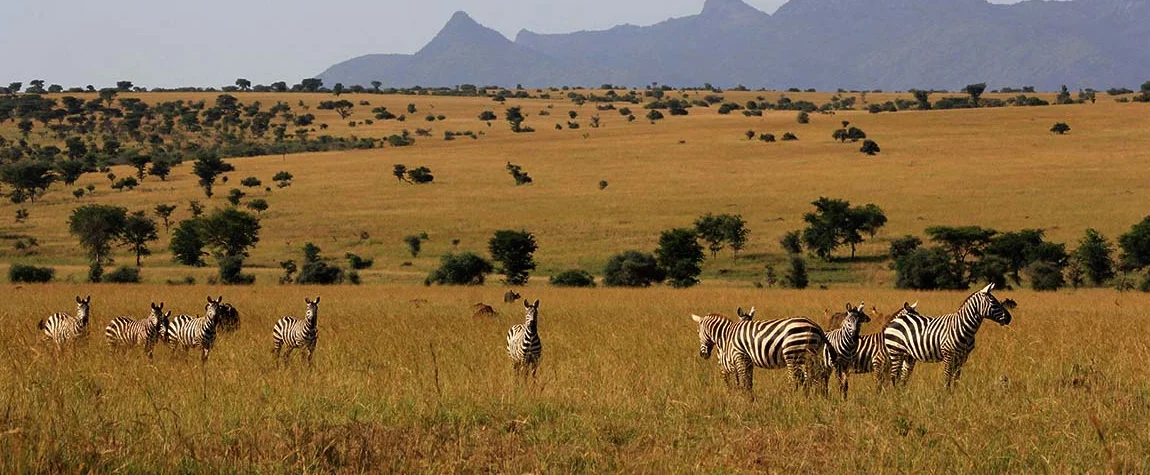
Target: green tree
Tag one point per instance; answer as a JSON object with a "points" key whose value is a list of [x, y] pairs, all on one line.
{"points": [[923, 98], [975, 91], [97, 227], [420, 175], [903, 246], [259, 205], [244, 84], [834, 223], [514, 250], [925, 269], [960, 245], [796, 277], [870, 148], [235, 195], [187, 244], [1135, 246], [229, 233], [71, 170], [792, 242], [400, 172], [251, 182], [1060, 128], [208, 167], [161, 168], [27, 178], [679, 254], [164, 212], [1094, 257], [632, 269], [414, 244], [460, 269], [139, 230], [140, 163]]}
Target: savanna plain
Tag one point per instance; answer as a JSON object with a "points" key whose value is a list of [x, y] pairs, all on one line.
{"points": [[406, 380]]}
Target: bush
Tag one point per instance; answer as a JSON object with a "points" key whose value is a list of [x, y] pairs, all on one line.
{"points": [[654, 115], [30, 274], [803, 118], [315, 270], [1046, 276], [573, 278], [870, 147], [1060, 128], [923, 269], [420, 175], [460, 269], [487, 116], [632, 269], [123, 275], [514, 251], [358, 263], [767, 137], [679, 254], [797, 276], [792, 242], [789, 136], [903, 246]]}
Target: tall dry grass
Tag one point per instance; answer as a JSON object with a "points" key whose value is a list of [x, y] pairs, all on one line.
{"points": [[409, 386]]}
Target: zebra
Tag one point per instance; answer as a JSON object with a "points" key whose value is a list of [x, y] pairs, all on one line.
{"points": [[511, 296], [125, 332], [722, 323], [62, 328], [845, 342], [187, 331], [229, 319], [295, 333], [948, 339], [789, 342], [523, 343], [871, 355]]}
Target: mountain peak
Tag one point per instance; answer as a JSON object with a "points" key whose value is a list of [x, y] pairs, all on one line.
{"points": [[729, 8], [462, 32], [461, 18]]}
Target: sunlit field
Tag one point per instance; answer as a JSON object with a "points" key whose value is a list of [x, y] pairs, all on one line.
{"points": [[404, 385], [999, 168]]}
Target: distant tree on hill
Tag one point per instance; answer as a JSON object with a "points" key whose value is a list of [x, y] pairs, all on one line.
{"points": [[870, 147], [834, 223], [803, 118], [208, 167], [632, 269], [514, 251], [975, 91], [923, 98], [138, 231], [161, 168], [679, 255], [96, 227], [164, 212], [1060, 128], [244, 84]]}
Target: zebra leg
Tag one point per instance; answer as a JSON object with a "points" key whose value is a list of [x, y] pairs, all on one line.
{"points": [[287, 355], [949, 364], [310, 352], [204, 354], [907, 369]]}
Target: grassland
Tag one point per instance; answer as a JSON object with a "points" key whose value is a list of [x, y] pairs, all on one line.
{"points": [[406, 387], [999, 168], [406, 381]]}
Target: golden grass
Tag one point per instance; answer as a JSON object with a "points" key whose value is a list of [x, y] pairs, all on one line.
{"points": [[999, 168], [413, 388]]}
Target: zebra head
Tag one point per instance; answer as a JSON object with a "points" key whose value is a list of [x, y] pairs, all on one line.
{"points": [[157, 311], [711, 332], [312, 308], [532, 310], [985, 305], [212, 309], [745, 317], [83, 306], [855, 315]]}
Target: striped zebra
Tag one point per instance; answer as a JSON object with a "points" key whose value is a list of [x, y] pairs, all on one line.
{"points": [[792, 343], [722, 323], [186, 331], [523, 343], [844, 341], [948, 339], [295, 333], [124, 332], [871, 355], [62, 328]]}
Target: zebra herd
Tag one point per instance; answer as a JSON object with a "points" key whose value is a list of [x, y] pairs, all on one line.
{"points": [[184, 331], [811, 355]]}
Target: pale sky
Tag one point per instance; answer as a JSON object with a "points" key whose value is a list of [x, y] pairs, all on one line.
{"points": [[163, 43]]}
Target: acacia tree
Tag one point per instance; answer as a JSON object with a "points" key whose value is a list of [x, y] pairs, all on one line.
{"points": [[97, 226], [514, 251], [834, 223], [679, 255], [961, 244], [139, 230], [975, 91], [27, 179], [1094, 257], [229, 233], [208, 167]]}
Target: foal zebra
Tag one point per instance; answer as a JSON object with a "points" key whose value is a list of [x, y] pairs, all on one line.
{"points": [[523, 343], [790, 343], [295, 333], [186, 331], [125, 332], [62, 328], [948, 338], [845, 342]]}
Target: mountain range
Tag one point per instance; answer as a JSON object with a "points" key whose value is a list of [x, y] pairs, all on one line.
{"points": [[824, 44]]}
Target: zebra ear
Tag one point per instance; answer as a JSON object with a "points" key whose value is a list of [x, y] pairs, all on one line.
{"points": [[316, 301], [914, 305], [79, 300], [862, 306], [307, 300], [751, 314], [850, 307], [988, 288], [696, 318], [526, 304], [536, 304]]}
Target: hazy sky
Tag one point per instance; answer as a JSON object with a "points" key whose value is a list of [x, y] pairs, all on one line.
{"points": [[163, 43]]}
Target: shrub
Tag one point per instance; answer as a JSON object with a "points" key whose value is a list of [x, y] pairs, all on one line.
{"points": [[358, 263], [30, 274], [654, 115], [796, 277], [803, 118], [514, 251], [1060, 128], [767, 137], [792, 242], [870, 148], [123, 275], [251, 182], [1094, 257], [789, 136], [460, 269], [903, 246], [632, 269], [573, 278], [679, 254], [487, 116], [420, 175], [1135, 246], [602, 184], [924, 269], [1046, 276]]}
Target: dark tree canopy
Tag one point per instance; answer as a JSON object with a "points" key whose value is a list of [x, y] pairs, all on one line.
{"points": [[96, 227], [139, 230], [1135, 246], [960, 245], [679, 254], [632, 269], [187, 243], [514, 251], [460, 269], [208, 167], [1095, 257], [834, 223]]}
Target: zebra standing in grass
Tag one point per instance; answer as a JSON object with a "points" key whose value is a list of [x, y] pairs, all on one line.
{"points": [[62, 328], [523, 343], [125, 332], [186, 331], [871, 354], [845, 342], [721, 324], [948, 339], [295, 333], [792, 343]]}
